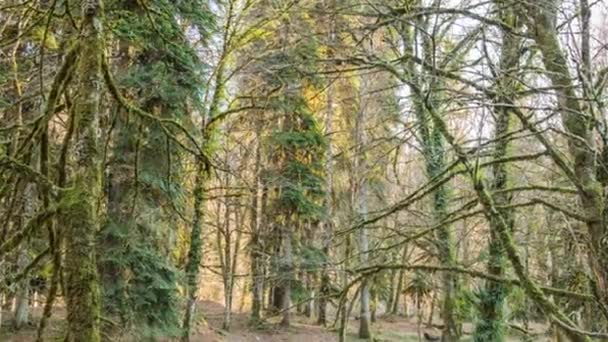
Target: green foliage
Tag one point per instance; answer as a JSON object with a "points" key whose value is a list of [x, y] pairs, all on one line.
{"points": [[519, 306], [311, 258], [145, 292], [465, 304], [489, 329], [299, 293], [165, 67], [381, 286], [160, 71], [420, 286], [298, 148]]}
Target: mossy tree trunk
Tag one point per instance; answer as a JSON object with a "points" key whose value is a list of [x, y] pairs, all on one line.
{"points": [[578, 120], [400, 282], [195, 252], [532, 290], [81, 201], [23, 291], [22, 295], [427, 98], [491, 325]]}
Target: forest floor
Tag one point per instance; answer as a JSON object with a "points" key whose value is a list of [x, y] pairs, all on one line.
{"points": [[390, 329]]}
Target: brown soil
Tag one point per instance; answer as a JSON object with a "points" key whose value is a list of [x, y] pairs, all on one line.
{"points": [[208, 329]]}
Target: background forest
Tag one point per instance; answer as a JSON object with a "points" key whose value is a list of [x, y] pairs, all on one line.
{"points": [[303, 170]]}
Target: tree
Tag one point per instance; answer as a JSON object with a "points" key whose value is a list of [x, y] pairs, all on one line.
{"points": [[491, 325], [81, 203]]}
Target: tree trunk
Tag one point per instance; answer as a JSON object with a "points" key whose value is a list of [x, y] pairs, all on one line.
{"points": [[491, 325], [361, 199], [433, 149], [256, 252], [226, 260], [1, 302], [195, 251], [393, 277], [310, 303], [81, 218], [579, 124], [22, 295], [287, 270], [400, 282], [342, 310], [22, 299], [327, 224], [374, 305]]}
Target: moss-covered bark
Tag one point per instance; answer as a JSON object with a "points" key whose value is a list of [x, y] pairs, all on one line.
{"points": [[427, 96], [532, 290], [491, 324], [577, 121], [81, 201], [195, 252]]}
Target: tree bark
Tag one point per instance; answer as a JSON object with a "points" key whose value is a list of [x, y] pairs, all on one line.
{"points": [[287, 270], [195, 251], [327, 224], [400, 282], [578, 120], [81, 217], [361, 193], [256, 252], [22, 295], [492, 324]]}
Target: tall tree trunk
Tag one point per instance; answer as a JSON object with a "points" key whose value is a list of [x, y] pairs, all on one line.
{"points": [[310, 289], [342, 310], [327, 224], [287, 270], [578, 121], [393, 277], [81, 218], [237, 247], [400, 282], [361, 193], [22, 295], [195, 251], [257, 251], [374, 304], [426, 97], [491, 325], [230, 260], [226, 259], [1, 299], [257, 272]]}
